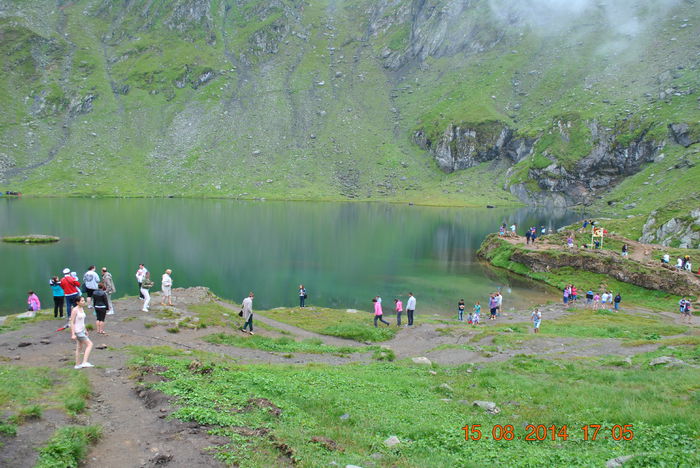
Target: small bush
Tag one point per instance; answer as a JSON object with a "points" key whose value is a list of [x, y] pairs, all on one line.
{"points": [[67, 447], [8, 429], [173, 330], [384, 354], [75, 404], [359, 332]]}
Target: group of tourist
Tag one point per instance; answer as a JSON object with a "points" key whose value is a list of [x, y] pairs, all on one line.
{"points": [[594, 300], [398, 307]]}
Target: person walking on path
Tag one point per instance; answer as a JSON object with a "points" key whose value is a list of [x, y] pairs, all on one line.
{"points": [[567, 292], [574, 294], [146, 284], [79, 333], [302, 296], [58, 297], [617, 301], [528, 236], [90, 280], [536, 319], [410, 308], [140, 275], [33, 303], [70, 287], [99, 299], [477, 313], [460, 310], [399, 310], [109, 289], [166, 287], [684, 308], [247, 311], [625, 250], [378, 313]]}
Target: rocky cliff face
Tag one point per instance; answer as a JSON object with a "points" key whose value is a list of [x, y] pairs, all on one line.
{"points": [[558, 181], [681, 231]]}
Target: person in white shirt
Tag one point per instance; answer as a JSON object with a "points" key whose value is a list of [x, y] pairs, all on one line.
{"points": [[166, 285], [410, 308], [140, 275], [499, 301], [666, 258]]}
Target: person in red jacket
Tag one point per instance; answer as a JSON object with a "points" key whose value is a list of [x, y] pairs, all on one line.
{"points": [[71, 289]]}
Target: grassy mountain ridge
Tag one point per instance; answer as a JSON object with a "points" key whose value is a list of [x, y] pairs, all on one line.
{"points": [[321, 100]]}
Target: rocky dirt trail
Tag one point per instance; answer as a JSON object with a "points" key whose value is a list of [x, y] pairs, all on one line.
{"points": [[137, 431]]}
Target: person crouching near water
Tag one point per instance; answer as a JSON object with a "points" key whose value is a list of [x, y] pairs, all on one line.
{"points": [[33, 303], [78, 332], [101, 304], [378, 313]]}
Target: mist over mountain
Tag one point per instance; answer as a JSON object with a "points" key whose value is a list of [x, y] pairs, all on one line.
{"points": [[435, 101]]}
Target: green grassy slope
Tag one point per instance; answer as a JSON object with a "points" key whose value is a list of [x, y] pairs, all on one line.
{"points": [[294, 100]]}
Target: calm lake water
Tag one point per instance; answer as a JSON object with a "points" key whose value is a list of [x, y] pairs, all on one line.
{"points": [[344, 253]]}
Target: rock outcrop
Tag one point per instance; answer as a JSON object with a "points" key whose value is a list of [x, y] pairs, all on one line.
{"points": [[684, 230]]}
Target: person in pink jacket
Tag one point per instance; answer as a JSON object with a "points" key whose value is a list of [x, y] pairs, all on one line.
{"points": [[378, 313], [33, 301], [399, 310]]}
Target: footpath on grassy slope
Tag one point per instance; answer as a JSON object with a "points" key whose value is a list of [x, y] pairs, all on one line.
{"points": [[136, 427]]}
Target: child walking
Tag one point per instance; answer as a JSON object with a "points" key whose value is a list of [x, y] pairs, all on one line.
{"points": [[477, 314]]}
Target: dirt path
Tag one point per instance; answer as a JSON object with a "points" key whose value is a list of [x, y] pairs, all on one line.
{"points": [[136, 429]]}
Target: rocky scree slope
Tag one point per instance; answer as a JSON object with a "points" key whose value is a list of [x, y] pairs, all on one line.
{"points": [[448, 101]]}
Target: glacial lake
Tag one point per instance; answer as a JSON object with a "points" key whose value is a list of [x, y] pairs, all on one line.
{"points": [[344, 253]]}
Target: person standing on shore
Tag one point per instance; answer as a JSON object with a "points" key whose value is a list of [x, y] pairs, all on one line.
{"points": [[302, 296], [499, 302], [493, 307], [247, 310], [90, 280], [79, 333], [399, 310], [146, 284], [166, 286], [70, 287], [109, 289], [528, 235], [410, 308], [617, 301], [140, 275], [536, 319], [378, 313], [477, 313], [58, 297], [101, 304], [460, 310]]}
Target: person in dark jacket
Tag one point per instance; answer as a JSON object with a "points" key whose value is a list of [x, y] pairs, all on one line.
{"points": [[101, 305]]}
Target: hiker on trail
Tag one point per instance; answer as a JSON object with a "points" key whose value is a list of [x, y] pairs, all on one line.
{"points": [[617, 301], [247, 311], [79, 333], [679, 264], [460, 310], [570, 242], [109, 289], [605, 298], [528, 236], [302, 296], [625, 250], [90, 280], [666, 259], [513, 228], [686, 259], [684, 306], [140, 275], [536, 319], [533, 236], [166, 286], [146, 284], [574, 294], [585, 225], [493, 306], [410, 308], [70, 287], [567, 292], [477, 313], [596, 301], [33, 303], [688, 266], [99, 298], [58, 297], [543, 231], [378, 312], [399, 310]]}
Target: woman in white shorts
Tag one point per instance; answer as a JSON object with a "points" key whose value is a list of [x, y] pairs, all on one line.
{"points": [[79, 334]]}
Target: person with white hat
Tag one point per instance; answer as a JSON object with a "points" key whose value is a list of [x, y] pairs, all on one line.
{"points": [[71, 289]]}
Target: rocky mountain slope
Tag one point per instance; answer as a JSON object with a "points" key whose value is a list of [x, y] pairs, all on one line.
{"points": [[438, 101]]}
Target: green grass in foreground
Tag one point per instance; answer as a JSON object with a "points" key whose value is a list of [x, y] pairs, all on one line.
{"points": [[356, 326], [284, 344], [385, 399], [67, 447], [12, 322]]}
